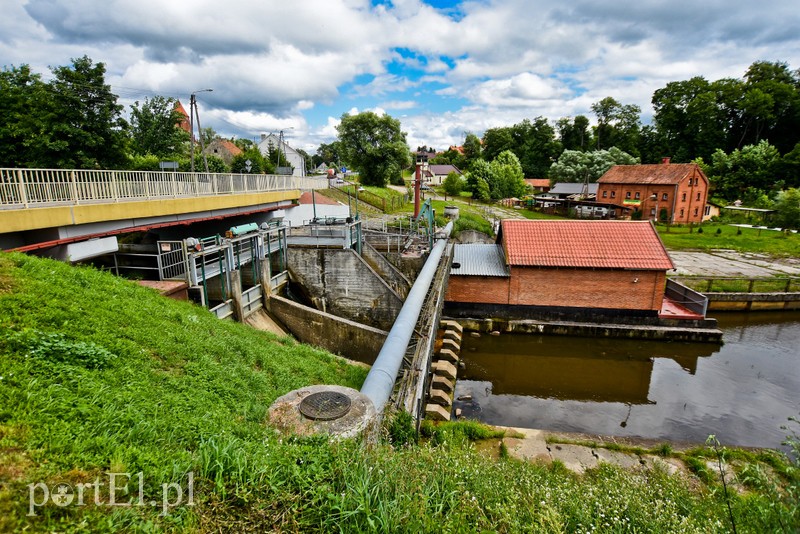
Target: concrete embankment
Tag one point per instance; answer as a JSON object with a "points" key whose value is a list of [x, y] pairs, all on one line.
{"points": [[586, 329], [753, 301]]}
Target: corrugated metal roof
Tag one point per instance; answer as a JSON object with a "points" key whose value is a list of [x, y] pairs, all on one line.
{"points": [[656, 174], [568, 188], [479, 260], [589, 244]]}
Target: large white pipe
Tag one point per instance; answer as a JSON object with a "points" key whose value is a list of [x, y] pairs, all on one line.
{"points": [[380, 381]]}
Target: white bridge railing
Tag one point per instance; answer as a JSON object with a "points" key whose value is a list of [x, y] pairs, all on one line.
{"points": [[30, 188]]}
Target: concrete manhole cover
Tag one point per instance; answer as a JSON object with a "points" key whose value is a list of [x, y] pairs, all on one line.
{"points": [[325, 405]]}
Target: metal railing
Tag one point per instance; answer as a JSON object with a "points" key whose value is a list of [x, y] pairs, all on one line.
{"points": [[685, 296], [727, 284], [30, 188]]}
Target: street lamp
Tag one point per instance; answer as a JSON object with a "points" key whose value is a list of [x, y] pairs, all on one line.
{"points": [[192, 113], [654, 196]]}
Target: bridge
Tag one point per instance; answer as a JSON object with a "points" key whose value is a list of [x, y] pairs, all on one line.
{"points": [[42, 208]]}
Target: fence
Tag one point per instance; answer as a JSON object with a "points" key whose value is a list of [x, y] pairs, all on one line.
{"points": [[741, 285], [26, 188], [686, 297], [388, 204]]}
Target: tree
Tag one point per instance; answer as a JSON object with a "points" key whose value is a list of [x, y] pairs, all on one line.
{"points": [[480, 170], [617, 125], [27, 113], [90, 131], [575, 167], [754, 166], [482, 190], [154, 128], [574, 134], [496, 140], [374, 145], [258, 163], [473, 150], [788, 208], [453, 184], [506, 178], [450, 157]]}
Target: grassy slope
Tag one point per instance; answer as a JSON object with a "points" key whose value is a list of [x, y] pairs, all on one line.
{"points": [[99, 374]]}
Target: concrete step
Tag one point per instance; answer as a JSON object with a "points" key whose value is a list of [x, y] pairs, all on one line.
{"points": [[452, 325], [447, 355], [452, 335], [435, 412], [445, 369], [451, 345], [442, 383], [437, 396]]}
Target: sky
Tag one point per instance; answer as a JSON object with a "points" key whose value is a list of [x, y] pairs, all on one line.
{"points": [[444, 68]]}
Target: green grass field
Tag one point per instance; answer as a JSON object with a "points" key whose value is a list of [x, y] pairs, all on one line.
{"points": [[99, 376], [723, 236]]}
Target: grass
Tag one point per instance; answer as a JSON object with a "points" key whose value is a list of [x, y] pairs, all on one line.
{"points": [[98, 374], [716, 236]]}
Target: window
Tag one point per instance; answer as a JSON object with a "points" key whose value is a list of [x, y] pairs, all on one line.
{"points": [[681, 212], [613, 194], [605, 194], [707, 211], [664, 196], [698, 196], [652, 212], [695, 212], [637, 195], [683, 197], [628, 194]]}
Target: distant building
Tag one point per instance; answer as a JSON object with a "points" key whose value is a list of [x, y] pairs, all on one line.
{"points": [[679, 188], [570, 267], [293, 157], [438, 173], [538, 185], [223, 149]]}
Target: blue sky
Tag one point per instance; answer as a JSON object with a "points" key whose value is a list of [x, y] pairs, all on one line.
{"points": [[443, 67]]}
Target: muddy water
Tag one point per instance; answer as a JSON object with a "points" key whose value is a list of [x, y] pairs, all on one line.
{"points": [[743, 391]]}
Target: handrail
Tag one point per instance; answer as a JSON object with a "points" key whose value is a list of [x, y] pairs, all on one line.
{"points": [[31, 188]]}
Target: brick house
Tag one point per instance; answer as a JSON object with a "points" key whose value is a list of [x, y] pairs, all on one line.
{"points": [[223, 149], [570, 267], [679, 188]]}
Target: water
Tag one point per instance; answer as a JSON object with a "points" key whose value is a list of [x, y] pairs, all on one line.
{"points": [[743, 391]]}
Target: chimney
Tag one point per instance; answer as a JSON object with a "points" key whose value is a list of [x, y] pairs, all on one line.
{"points": [[665, 161]]}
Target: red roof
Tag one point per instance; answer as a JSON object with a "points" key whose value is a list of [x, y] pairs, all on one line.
{"points": [[538, 182], [657, 174], [587, 244]]}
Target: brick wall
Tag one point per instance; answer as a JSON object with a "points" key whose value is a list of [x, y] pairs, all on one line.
{"points": [[601, 288], [481, 289], [583, 288]]}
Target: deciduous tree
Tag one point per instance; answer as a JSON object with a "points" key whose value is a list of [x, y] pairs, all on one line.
{"points": [[154, 128], [374, 145]]}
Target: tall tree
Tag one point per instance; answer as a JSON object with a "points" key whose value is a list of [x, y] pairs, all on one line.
{"points": [[496, 140], [574, 133], [617, 125], [90, 132], [27, 113], [752, 168], [473, 149], [374, 145], [506, 177], [154, 128]]}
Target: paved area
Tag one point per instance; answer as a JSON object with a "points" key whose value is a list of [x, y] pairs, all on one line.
{"points": [[730, 263]]}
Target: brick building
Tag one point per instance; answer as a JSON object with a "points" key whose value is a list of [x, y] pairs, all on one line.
{"points": [[679, 188], [583, 267]]}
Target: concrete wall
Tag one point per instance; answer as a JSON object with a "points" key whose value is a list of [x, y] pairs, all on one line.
{"points": [[340, 282], [753, 301], [387, 270], [340, 336], [564, 288]]}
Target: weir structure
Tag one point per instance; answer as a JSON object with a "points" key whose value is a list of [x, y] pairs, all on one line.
{"points": [[401, 371]]}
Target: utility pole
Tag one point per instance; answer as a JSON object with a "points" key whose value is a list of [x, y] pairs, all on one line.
{"points": [[193, 112]]}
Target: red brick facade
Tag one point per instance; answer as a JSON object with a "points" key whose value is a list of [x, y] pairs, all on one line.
{"points": [[681, 189], [563, 287]]}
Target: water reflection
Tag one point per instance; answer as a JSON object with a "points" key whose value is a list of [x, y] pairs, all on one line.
{"points": [[743, 391]]}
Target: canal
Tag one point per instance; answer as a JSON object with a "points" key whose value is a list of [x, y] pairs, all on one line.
{"points": [[742, 391]]}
